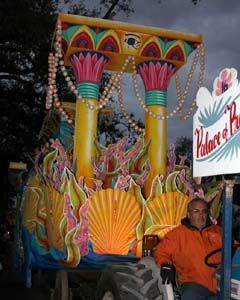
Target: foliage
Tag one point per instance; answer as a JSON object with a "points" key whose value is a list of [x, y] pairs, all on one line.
{"points": [[183, 147], [24, 47], [25, 44], [23, 59]]}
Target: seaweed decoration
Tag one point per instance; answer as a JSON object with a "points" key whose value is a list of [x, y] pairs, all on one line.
{"points": [[76, 194], [41, 224], [33, 210], [171, 159], [182, 159], [178, 175], [144, 222], [73, 220], [212, 193], [105, 166], [83, 237], [113, 163], [122, 182], [171, 182], [73, 252], [61, 224], [84, 188], [98, 184], [185, 184], [49, 165], [52, 167], [74, 229], [156, 188]]}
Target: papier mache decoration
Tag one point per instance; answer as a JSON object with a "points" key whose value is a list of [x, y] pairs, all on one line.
{"points": [[216, 124]]}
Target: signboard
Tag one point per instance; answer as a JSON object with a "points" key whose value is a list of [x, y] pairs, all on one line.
{"points": [[216, 127], [17, 166]]}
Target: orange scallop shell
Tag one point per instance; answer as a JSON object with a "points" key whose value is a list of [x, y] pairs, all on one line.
{"points": [[31, 195], [166, 211], [54, 207], [113, 216]]}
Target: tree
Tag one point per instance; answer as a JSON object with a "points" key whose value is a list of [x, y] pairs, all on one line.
{"points": [[24, 47], [184, 147]]}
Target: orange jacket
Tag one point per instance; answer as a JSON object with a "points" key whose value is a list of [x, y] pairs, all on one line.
{"points": [[186, 248]]}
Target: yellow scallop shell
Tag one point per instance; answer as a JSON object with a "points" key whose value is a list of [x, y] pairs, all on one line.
{"points": [[166, 211], [29, 206], [54, 207], [113, 216]]}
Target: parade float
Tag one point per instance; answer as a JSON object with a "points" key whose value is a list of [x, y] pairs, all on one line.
{"points": [[88, 206]]}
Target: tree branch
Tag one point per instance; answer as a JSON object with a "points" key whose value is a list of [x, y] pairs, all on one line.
{"points": [[110, 10]]}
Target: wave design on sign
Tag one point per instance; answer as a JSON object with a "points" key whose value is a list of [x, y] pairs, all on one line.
{"points": [[227, 150], [213, 113]]}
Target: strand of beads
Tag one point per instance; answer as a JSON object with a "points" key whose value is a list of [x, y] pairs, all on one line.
{"points": [[132, 123], [51, 82], [200, 52], [54, 61], [138, 94], [139, 98], [58, 61], [181, 99]]}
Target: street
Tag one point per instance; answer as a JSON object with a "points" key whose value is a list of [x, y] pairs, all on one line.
{"points": [[12, 287], [12, 282]]}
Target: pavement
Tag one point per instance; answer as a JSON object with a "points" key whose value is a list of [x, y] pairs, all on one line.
{"points": [[12, 285], [12, 281]]}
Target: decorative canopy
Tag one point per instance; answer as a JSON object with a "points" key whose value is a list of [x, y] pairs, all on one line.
{"points": [[117, 40]]}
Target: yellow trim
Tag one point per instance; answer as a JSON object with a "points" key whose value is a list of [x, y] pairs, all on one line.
{"points": [[120, 29], [17, 165], [130, 27]]}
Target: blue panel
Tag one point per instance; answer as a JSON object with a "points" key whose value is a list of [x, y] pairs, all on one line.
{"points": [[225, 284]]}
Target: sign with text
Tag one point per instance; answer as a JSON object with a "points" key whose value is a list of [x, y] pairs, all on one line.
{"points": [[216, 127]]}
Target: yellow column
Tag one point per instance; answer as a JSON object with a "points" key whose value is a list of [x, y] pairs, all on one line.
{"points": [[88, 67], [156, 76], [156, 131], [84, 135]]}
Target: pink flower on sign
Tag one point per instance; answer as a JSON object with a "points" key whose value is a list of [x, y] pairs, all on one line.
{"points": [[224, 81]]}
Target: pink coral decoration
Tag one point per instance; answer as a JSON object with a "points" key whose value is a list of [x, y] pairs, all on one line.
{"points": [[88, 67], [155, 75]]}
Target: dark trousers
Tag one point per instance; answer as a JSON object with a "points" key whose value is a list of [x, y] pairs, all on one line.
{"points": [[195, 291]]}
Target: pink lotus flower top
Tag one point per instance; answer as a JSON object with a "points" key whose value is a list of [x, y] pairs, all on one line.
{"points": [[156, 75], [88, 66]]}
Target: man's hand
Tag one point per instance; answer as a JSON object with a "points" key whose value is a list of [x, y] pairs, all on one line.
{"points": [[167, 273]]}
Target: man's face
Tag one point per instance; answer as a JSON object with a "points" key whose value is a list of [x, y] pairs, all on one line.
{"points": [[198, 215]]}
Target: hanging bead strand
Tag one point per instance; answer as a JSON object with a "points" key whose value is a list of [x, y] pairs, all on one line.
{"points": [[132, 123], [57, 60], [182, 98]]}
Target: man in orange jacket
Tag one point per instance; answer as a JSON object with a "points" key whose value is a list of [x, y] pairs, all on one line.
{"points": [[185, 248]]}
